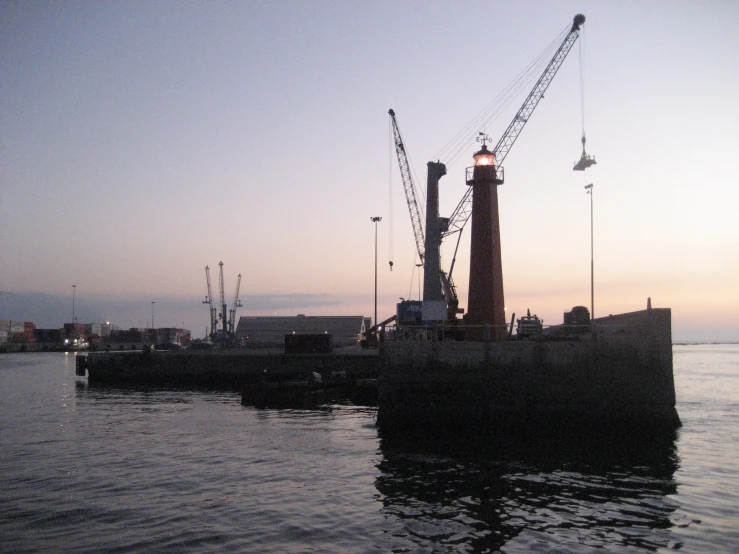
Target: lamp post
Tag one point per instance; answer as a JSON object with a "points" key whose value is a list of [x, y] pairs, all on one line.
{"points": [[152, 321], [375, 220], [419, 266], [74, 290], [589, 190]]}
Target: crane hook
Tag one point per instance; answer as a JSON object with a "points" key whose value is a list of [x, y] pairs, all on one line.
{"points": [[585, 161]]}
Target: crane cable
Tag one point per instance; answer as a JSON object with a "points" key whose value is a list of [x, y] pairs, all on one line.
{"points": [[390, 196], [582, 86], [491, 112], [461, 141]]}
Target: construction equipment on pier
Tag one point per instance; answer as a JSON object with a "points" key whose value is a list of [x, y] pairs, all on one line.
{"points": [[374, 334]]}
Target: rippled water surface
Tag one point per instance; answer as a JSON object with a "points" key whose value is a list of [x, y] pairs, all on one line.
{"points": [[87, 469]]}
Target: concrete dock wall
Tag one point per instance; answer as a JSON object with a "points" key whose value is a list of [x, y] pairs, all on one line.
{"points": [[621, 374], [228, 370]]}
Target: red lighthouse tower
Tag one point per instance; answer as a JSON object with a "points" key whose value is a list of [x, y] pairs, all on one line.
{"points": [[485, 305]]}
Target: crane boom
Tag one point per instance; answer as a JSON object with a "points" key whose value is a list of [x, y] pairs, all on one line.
{"points": [[462, 212], [212, 312], [223, 315], [236, 304], [409, 187]]}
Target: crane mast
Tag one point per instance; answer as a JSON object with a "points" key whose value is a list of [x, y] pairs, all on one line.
{"points": [[409, 187], [462, 212], [212, 312], [232, 311], [223, 315]]}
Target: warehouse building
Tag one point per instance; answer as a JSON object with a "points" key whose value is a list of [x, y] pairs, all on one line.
{"points": [[270, 331]]}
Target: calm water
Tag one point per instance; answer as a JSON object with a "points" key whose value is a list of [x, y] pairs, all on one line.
{"points": [[86, 469]]}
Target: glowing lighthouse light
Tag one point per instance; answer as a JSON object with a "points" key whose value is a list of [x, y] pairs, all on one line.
{"points": [[485, 165], [484, 156]]}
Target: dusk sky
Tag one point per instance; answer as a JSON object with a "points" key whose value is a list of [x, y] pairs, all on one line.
{"points": [[142, 141]]}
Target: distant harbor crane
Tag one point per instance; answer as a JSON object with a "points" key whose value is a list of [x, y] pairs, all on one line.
{"points": [[226, 317], [232, 311], [212, 311]]}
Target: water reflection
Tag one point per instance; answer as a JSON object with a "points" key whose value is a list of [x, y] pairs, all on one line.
{"points": [[583, 492]]}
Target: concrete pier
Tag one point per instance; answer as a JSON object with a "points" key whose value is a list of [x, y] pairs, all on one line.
{"points": [[225, 370], [619, 375], [615, 375]]}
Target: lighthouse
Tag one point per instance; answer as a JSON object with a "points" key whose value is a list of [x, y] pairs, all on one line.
{"points": [[485, 305]]}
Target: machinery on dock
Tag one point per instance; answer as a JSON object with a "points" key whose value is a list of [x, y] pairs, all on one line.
{"points": [[375, 334], [529, 326]]}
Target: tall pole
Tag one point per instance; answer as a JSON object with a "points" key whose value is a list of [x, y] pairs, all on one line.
{"points": [[74, 290], [375, 220], [589, 189], [419, 266], [152, 319]]}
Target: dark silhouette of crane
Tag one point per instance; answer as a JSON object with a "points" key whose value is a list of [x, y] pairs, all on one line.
{"points": [[212, 311], [226, 317]]}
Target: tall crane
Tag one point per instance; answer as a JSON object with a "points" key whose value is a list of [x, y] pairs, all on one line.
{"points": [[410, 188], [447, 285], [223, 315], [232, 311], [212, 311], [462, 212]]}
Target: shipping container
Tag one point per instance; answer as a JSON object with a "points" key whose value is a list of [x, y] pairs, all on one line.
{"points": [[16, 327], [48, 335], [3, 337], [5, 325]]}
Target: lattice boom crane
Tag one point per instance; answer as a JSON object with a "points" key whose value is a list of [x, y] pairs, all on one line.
{"points": [[463, 210], [223, 315], [232, 311], [212, 311], [409, 187]]}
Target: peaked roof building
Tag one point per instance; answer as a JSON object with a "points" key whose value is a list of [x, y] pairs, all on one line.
{"points": [[271, 330]]}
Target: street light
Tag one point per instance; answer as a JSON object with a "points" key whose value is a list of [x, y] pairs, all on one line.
{"points": [[375, 220], [74, 290], [589, 190], [419, 266], [152, 318]]}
